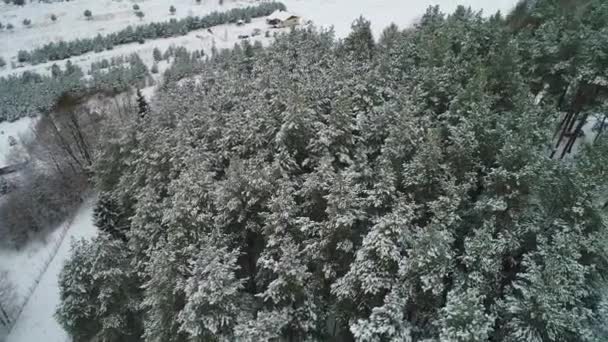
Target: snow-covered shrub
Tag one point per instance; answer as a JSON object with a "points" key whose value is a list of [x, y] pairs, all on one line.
{"points": [[23, 56], [40, 202]]}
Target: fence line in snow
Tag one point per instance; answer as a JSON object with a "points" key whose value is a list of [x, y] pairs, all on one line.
{"points": [[45, 266]]}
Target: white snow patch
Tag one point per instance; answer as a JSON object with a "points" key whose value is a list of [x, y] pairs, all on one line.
{"points": [[37, 321], [341, 13], [20, 130], [280, 15], [23, 266]]}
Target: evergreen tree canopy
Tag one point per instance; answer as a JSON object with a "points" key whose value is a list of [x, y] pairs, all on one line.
{"points": [[318, 190]]}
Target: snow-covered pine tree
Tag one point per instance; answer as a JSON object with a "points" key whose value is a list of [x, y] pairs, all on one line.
{"points": [[99, 292], [404, 194], [360, 42], [143, 107], [157, 54], [108, 217]]}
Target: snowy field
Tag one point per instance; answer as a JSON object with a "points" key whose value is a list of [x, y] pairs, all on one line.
{"points": [[36, 322], [223, 36], [107, 16], [23, 266]]}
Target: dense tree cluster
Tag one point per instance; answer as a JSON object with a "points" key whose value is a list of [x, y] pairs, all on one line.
{"points": [[184, 63], [319, 190], [31, 94], [61, 50], [566, 61]]}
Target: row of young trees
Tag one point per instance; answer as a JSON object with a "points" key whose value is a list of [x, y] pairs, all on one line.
{"points": [[323, 190], [62, 50], [15, 2], [31, 94]]}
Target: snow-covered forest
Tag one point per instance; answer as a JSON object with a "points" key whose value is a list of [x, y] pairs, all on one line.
{"points": [[416, 186], [440, 181]]}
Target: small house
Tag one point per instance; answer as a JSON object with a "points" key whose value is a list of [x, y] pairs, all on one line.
{"points": [[282, 19], [291, 21]]}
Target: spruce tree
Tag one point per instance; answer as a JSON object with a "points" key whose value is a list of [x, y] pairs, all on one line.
{"points": [[338, 190], [109, 309], [360, 41], [157, 55], [142, 104], [107, 216]]}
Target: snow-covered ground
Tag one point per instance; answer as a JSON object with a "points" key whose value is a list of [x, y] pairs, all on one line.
{"points": [[107, 16], [223, 36], [20, 130], [36, 322], [341, 13], [23, 266]]}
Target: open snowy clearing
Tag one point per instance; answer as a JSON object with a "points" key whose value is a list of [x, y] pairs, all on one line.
{"points": [[20, 130], [36, 322], [107, 16]]}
